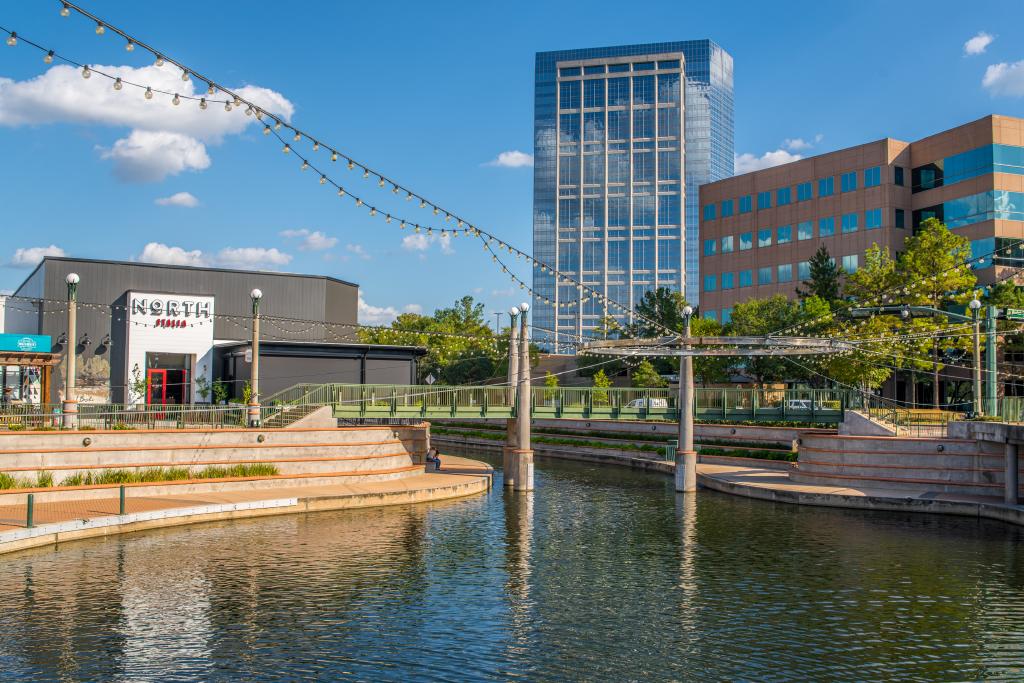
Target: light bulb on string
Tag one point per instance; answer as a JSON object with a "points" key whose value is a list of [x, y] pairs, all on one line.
{"points": [[277, 125], [176, 100], [380, 182], [359, 202], [423, 204], [100, 28], [238, 101], [266, 130], [297, 137], [366, 173], [86, 72], [305, 165], [287, 148], [334, 156], [248, 111], [373, 211], [323, 180], [48, 57], [408, 197], [149, 93], [341, 192], [227, 105], [117, 83], [65, 10], [12, 39], [159, 60]]}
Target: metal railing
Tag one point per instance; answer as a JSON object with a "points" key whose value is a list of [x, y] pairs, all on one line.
{"points": [[120, 416]]}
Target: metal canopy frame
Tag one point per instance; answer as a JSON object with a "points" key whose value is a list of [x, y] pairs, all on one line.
{"points": [[729, 346]]}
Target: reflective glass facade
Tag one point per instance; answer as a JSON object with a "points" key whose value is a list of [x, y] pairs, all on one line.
{"points": [[623, 137]]}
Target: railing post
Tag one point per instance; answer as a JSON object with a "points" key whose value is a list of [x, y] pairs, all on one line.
{"points": [[30, 510], [590, 402], [753, 405], [120, 506]]}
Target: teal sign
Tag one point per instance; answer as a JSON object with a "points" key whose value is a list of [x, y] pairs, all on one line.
{"points": [[28, 343]]}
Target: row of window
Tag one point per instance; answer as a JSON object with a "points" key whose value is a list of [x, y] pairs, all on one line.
{"points": [[617, 68], [618, 252], [849, 222], [804, 191], [617, 126], [617, 168], [767, 275], [984, 206], [616, 92], [643, 213], [975, 162]]}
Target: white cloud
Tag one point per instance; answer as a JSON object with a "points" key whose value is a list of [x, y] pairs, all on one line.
{"points": [[29, 257], [358, 250], [157, 252], [252, 257], [745, 163], [512, 159], [796, 144], [148, 156], [1005, 79], [412, 308], [511, 291], [184, 199], [978, 44], [419, 241], [375, 315], [61, 95], [311, 240]]}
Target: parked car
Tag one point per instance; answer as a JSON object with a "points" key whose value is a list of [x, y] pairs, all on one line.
{"points": [[798, 404], [648, 403]]}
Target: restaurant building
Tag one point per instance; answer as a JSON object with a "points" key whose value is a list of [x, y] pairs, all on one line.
{"points": [[168, 334]]}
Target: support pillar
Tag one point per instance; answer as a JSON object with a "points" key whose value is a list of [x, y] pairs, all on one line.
{"points": [[511, 427], [686, 456], [1011, 471], [254, 399], [69, 408], [991, 374], [523, 455]]}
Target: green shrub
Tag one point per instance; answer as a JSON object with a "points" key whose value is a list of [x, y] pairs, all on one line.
{"points": [[121, 426], [7, 481], [44, 480], [16, 427]]}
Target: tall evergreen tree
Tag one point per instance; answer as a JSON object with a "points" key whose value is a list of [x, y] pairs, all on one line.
{"points": [[825, 280]]}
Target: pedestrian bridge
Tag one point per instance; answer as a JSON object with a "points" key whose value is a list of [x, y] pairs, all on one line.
{"points": [[475, 402]]}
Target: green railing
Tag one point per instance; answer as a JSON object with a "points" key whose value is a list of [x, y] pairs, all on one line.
{"points": [[120, 416]]}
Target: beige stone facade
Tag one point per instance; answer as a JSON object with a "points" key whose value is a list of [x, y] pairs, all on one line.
{"points": [[758, 230]]}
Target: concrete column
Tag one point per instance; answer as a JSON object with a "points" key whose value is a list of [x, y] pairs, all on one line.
{"points": [[686, 456], [69, 408], [1011, 465], [511, 428], [523, 455]]}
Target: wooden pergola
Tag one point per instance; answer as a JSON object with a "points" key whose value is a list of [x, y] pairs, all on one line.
{"points": [[34, 359]]}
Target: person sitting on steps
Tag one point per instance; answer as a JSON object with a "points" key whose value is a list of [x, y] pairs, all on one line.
{"points": [[434, 458]]}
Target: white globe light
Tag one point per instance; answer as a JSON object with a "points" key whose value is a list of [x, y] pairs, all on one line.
{"points": [[975, 304], [513, 311], [256, 294], [687, 310], [72, 278], [524, 307]]}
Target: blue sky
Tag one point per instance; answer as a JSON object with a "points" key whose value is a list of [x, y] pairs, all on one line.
{"points": [[429, 94]]}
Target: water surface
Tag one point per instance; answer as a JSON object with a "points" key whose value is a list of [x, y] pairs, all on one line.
{"points": [[599, 574]]}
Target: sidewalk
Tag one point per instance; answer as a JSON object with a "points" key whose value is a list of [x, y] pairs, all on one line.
{"points": [[78, 518]]}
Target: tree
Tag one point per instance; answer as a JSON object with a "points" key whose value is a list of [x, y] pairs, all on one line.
{"points": [[645, 376], [709, 369], [825, 279], [935, 273], [663, 306], [601, 384], [758, 317], [550, 385]]}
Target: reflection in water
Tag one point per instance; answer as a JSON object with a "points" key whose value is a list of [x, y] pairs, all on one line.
{"points": [[599, 573]]}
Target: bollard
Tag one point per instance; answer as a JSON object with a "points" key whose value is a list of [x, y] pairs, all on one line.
{"points": [[29, 512], [121, 502]]}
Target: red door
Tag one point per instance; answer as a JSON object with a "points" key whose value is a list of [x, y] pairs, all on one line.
{"points": [[156, 386]]}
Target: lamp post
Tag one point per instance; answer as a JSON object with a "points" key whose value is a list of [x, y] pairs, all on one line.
{"points": [[686, 457], [513, 379], [523, 452], [975, 307], [254, 399], [69, 408]]}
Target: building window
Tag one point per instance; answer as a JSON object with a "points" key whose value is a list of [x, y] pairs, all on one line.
{"points": [[709, 212], [618, 212], [668, 122], [805, 230], [709, 247], [850, 263], [784, 234], [569, 95], [782, 196], [826, 186], [643, 254], [803, 270], [593, 255], [982, 248], [764, 275], [900, 219], [849, 222], [643, 90], [668, 88], [726, 315], [643, 210], [803, 192], [746, 278], [593, 169], [847, 182], [746, 241], [872, 219], [568, 213], [618, 125], [826, 226], [727, 245], [873, 176], [764, 200], [618, 255], [727, 281], [726, 208], [898, 175], [926, 177], [785, 272], [593, 212], [710, 283], [764, 237], [746, 202], [593, 92], [643, 123], [668, 165], [618, 92], [668, 255]]}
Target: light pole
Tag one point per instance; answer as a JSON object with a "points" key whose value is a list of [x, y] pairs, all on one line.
{"points": [[497, 322], [524, 454], [975, 307], [686, 457], [69, 408], [254, 399], [513, 380]]}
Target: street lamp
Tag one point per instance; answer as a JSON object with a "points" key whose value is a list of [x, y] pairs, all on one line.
{"points": [[254, 399], [511, 426], [975, 307], [686, 457], [69, 408], [524, 468]]}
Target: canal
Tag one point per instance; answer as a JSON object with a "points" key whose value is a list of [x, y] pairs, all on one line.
{"points": [[599, 574]]}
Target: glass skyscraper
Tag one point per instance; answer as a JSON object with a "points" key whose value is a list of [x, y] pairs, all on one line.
{"points": [[623, 137]]}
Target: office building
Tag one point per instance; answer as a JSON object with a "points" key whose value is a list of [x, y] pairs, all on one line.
{"points": [[759, 230], [163, 334], [623, 137]]}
